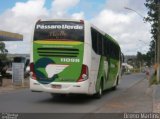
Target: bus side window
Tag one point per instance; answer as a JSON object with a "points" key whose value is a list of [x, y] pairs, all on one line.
{"points": [[105, 46], [94, 39], [99, 44]]}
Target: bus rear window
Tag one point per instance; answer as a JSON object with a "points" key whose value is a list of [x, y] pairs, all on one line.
{"points": [[59, 31]]}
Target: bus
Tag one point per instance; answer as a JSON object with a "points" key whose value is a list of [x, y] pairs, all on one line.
{"points": [[73, 57]]}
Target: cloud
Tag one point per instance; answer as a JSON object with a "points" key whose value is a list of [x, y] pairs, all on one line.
{"points": [[116, 5], [108, 19], [123, 25], [79, 15], [128, 30], [22, 17], [32, 9], [60, 7], [63, 5]]}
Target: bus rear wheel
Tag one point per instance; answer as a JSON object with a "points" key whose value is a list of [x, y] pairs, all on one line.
{"points": [[99, 94], [115, 87]]}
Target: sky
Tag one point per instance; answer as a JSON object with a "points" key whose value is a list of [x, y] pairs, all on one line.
{"points": [[125, 26]]}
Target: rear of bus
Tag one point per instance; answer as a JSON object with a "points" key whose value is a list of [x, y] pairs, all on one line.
{"points": [[57, 64]]}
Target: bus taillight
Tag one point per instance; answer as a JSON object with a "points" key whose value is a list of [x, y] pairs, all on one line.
{"points": [[84, 73], [32, 72]]}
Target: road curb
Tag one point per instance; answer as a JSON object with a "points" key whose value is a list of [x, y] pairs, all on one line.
{"points": [[156, 98]]}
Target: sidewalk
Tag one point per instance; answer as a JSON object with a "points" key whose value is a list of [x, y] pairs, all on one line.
{"points": [[135, 99], [8, 86], [156, 98]]}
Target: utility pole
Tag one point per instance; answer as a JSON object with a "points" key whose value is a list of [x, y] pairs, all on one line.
{"points": [[158, 43]]}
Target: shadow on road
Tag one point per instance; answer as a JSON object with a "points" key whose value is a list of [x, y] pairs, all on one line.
{"points": [[74, 98]]}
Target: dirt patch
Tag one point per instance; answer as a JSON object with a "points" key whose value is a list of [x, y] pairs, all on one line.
{"points": [[8, 86]]}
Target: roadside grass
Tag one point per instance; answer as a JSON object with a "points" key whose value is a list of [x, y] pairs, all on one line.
{"points": [[153, 80]]}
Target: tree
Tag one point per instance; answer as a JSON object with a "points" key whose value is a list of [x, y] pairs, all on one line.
{"points": [[144, 59], [3, 58], [3, 51], [152, 18], [139, 56]]}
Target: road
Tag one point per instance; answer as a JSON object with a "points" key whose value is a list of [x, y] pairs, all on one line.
{"points": [[132, 95]]}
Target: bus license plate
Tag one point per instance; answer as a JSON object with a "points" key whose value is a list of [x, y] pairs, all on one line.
{"points": [[56, 86]]}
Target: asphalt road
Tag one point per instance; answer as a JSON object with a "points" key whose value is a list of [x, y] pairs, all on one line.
{"points": [[25, 101]]}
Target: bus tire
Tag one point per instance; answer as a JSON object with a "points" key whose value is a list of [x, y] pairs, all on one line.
{"points": [[99, 94], [115, 87]]}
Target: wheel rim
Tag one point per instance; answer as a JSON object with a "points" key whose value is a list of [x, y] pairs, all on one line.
{"points": [[100, 91]]}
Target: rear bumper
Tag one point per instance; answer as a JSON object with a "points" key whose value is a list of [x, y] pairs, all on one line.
{"points": [[66, 88]]}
